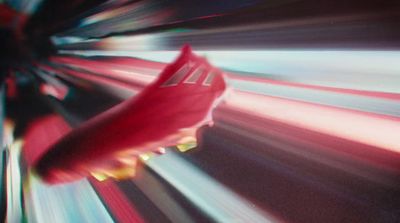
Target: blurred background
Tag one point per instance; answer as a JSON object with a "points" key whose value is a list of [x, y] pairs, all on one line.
{"points": [[309, 133]]}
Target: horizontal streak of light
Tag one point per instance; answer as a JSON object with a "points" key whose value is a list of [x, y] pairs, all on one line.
{"points": [[114, 70], [357, 101], [124, 90], [155, 191], [108, 14], [355, 126], [343, 91], [91, 77], [134, 69], [74, 202], [375, 102], [211, 197], [359, 70], [308, 147]]}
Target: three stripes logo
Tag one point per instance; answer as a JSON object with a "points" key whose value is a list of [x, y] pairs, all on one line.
{"points": [[190, 73]]}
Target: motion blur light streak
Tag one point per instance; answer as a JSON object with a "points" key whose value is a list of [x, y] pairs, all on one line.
{"points": [[87, 76], [340, 97], [147, 14], [223, 205], [342, 69], [52, 86], [14, 199], [75, 202], [345, 124], [361, 101], [117, 202], [305, 138]]}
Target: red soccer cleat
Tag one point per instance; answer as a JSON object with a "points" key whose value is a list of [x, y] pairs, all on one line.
{"points": [[166, 113]]}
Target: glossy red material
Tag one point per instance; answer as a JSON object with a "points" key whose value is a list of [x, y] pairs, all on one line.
{"points": [[41, 134], [178, 102]]}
